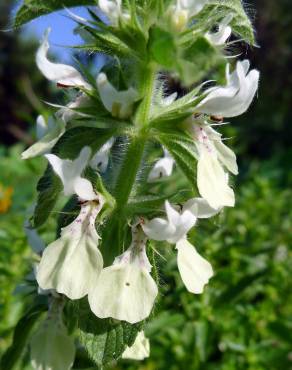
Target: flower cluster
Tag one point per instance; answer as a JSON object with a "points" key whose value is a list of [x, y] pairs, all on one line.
{"points": [[77, 264]]}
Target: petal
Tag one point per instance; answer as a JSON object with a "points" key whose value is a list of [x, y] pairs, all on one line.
{"points": [[235, 98], [84, 189], [70, 171], [158, 229], [194, 270], [123, 292], [80, 163], [200, 208], [218, 100], [220, 37], [101, 158], [112, 8], [46, 143], [162, 168], [72, 263], [119, 103], [139, 350], [248, 85], [186, 222], [173, 215], [60, 73], [213, 183], [226, 156], [52, 348]]}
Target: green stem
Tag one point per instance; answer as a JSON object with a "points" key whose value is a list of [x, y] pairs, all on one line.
{"points": [[129, 170], [114, 233], [148, 79], [135, 150]]}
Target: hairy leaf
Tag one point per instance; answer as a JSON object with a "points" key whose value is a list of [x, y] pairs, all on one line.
{"points": [[162, 47], [216, 10], [31, 9], [104, 339], [183, 150]]}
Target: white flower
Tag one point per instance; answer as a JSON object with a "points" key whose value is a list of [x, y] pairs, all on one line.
{"points": [[162, 168], [219, 37], [213, 155], [51, 348], [118, 103], [195, 271], [48, 133], [72, 263], [200, 208], [174, 228], [100, 159], [234, 98], [139, 350], [112, 9], [70, 174], [184, 10], [126, 290], [62, 74]]}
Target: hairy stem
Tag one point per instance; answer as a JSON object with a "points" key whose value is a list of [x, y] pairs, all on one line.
{"points": [[114, 233], [133, 157]]}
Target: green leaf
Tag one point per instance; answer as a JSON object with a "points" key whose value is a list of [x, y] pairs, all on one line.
{"points": [[48, 187], [145, 204], [281, 330], [106, 43], [162, 47], [183, 150], [20, 337], [216, 10], [104, 339], [198, 59], [175, 112], [68, 147], [31, 9], [233, 292]]}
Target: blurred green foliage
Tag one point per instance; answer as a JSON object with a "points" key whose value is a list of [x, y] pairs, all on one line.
{"points": [[14, 256]]}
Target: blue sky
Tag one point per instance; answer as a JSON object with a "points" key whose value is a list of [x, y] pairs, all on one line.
{"points": [[61, 31]]}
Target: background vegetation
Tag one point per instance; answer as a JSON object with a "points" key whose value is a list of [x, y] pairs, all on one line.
{"points": [[244, 319]]}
